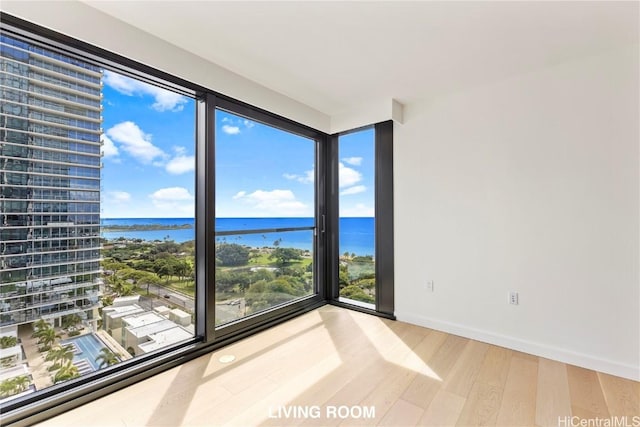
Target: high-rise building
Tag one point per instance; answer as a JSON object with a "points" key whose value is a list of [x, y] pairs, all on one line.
{"points": [[50, 160]]}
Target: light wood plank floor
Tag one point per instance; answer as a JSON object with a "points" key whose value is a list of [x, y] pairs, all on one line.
{"points": [[332, 358]]}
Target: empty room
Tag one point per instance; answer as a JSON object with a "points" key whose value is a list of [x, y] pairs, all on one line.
{"points": [[319, 213]]}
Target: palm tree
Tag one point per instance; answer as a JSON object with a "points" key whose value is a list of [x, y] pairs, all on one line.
{"points": [[120, 286], [8, 342], [6, 388], [47, 337], [70, 320], [60, 356], [21, 383], [106, 358], [67, 372], [38, 326], [15, 385]]}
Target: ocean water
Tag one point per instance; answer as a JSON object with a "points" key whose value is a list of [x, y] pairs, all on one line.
{"points": [[356, 234]]}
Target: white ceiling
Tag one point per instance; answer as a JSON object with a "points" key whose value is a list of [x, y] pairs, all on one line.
{"points": [[339, 56]]}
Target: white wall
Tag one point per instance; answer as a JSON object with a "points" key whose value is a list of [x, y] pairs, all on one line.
{"points": [[530, 184], [99, 29]]}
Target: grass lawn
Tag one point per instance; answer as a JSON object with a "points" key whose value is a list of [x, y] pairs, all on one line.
{"points": [[186, 287]]}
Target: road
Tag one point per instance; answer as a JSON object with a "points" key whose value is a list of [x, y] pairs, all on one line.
{"points": [[168, 295]]}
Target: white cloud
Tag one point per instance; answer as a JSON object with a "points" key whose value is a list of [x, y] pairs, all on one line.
{"points": [[248, 123], [353, 190], [359, 210], [173, 201], [348, 176], [181, 164], [118, 197], [108, 147], [231, 130], [165, 100], [307, 178], [280, 202], [353, 161], [135, 142]]}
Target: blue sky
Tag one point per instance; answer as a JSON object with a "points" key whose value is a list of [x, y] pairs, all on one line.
{"points": [[149, 161]]}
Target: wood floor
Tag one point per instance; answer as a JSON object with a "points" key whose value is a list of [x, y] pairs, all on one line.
{"points": [[335, 367]]}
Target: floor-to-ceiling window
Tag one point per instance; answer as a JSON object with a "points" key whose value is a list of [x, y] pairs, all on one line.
{"points": [[268, 231], [265, 224], [96, 217], [361, 218], [356, 208], [146, 219]]}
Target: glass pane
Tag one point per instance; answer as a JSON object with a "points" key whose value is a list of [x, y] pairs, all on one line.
{"points": [[73, 301], [357, 218], [256, 272], [265, 186]]}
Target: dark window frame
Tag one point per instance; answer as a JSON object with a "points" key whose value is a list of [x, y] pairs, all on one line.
{"points": [[65, 396], [384, 242], [250, 323]]}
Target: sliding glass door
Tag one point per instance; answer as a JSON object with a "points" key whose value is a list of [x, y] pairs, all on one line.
{"points": [[266, 233]]}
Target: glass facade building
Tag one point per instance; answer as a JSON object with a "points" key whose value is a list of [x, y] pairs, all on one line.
{"points": [[50, 160]]}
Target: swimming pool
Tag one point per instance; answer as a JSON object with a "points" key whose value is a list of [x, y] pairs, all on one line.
{"points": [[87, 348]]}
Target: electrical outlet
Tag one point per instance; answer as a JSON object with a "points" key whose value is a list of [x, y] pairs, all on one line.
{"points": [[430, 285], [513, 298]]}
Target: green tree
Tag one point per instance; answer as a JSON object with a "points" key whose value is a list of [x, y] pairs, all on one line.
{"points": [[70, 320], [113, 265], [356, 293], [106, 358], [285, 255], [60, 356], [168, 246], [231, 281], [14, 385], [183, 269], [8, 342], [39, 325], [106, 300], [140, 278], [263, 294], [21, 383], [6, 388], [119, 285], [343, 276], [164, 267], [46, 338], [66, 373], [232, 254], [146, 265]]}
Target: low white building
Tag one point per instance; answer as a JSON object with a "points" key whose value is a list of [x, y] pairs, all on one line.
{"points": [[112, 318], [140, 331], [165, 338], [180, 317]]}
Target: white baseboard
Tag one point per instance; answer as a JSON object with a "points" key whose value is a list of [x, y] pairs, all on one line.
{"points": [[562, 355]]}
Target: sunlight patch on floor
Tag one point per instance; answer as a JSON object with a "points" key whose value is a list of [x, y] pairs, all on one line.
{"points": [[392, 347], [289, 393]]}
